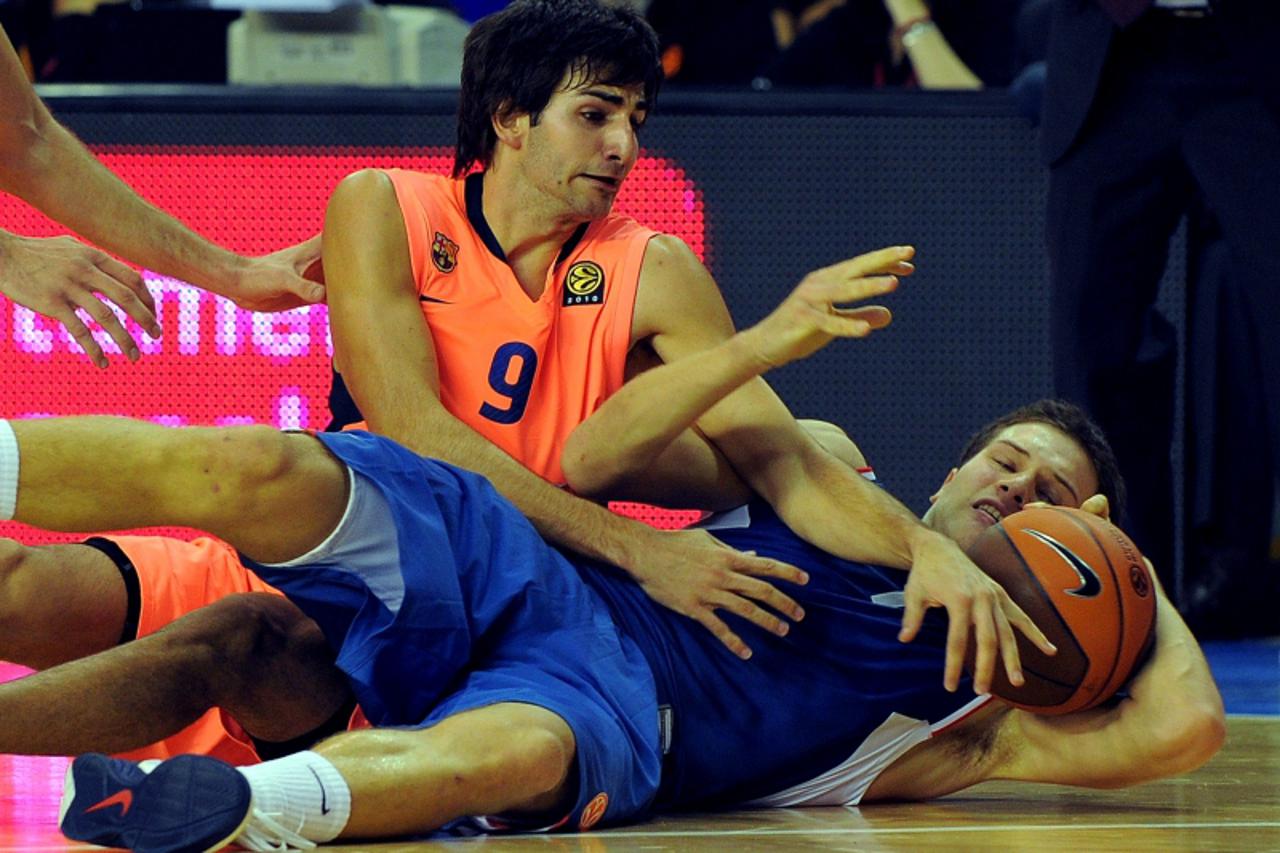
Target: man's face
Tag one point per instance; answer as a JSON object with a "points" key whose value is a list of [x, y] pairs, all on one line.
{"points": [[1022, 464], [583, 146]]}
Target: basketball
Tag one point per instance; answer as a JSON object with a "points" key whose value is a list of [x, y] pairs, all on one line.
{"points": [[1084, 583]]}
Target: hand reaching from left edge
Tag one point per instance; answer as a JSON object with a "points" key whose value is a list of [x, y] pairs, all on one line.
{"points": [[57, 276]]}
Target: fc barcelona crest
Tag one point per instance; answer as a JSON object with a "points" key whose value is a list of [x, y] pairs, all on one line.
{"points": [[444, 253], [584, 284]]}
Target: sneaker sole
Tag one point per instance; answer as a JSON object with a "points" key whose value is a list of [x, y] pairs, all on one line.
{"points": [[163, 819]]}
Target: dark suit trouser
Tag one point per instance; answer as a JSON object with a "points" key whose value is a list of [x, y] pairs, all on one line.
{"points": [[1173, 120]]}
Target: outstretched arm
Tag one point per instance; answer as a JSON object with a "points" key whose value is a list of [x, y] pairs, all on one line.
{"points": [[615, 450], [820, 498], [42, 163]]}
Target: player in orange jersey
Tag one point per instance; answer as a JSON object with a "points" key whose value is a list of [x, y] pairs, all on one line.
{"points": [[420, 271]]}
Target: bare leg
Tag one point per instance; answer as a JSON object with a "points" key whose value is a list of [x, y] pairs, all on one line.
{"points": [[503, 758], [273, 495], [255, 655], [57, 603]]}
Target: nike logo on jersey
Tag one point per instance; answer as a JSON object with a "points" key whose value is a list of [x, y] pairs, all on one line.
{"points": [[1090, 585], [433, 299], [324, 801], [122, 798]]}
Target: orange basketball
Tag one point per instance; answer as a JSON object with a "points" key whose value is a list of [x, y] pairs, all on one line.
{"points": [[1084, 583]]}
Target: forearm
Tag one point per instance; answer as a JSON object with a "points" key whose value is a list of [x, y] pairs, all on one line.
{"points": [[50, 169], [837, 509], [932, 58], [627, 433], [561, 517]]}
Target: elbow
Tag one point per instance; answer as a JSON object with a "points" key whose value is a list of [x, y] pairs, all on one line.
{"points": [[587, 472], [1187, 738]]}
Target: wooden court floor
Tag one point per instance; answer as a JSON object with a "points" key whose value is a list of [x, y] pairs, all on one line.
{"points": [[1231, 804]]}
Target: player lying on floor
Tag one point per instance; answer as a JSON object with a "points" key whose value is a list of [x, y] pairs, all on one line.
{"points": [[494, 709]]}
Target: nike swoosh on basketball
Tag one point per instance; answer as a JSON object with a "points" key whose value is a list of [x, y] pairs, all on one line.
{"points": [[324, 801], [1090, 585], [122, 798]]}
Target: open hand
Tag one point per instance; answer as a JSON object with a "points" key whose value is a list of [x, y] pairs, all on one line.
{"points": [[942, 576], [694, 574], [811, 316], [57, 276]]}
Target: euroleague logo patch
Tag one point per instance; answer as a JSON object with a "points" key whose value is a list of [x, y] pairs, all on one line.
{"points": [[584, 284], [444, 253], [593, 811]]}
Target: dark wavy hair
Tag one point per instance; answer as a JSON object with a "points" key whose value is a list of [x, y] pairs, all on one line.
{"points": [[1073, 421], [516, 59]]}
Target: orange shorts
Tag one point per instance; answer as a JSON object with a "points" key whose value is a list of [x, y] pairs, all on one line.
{"points": [[175, 578]]}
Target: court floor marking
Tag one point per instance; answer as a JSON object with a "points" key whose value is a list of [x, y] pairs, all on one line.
{"points": [[910, 830]]}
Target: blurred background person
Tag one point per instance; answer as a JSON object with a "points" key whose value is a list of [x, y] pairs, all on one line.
{"points": [[1151, 110]]}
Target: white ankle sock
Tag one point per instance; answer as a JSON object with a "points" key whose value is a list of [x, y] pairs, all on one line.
{"points": [[303, 793], [8, 471]]}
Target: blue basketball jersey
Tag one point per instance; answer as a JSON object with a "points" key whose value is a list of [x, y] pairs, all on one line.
{"points": [[814, 715]]}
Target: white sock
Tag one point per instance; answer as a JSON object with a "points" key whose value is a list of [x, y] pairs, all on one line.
{"points": [[303, 793], [8, 471]]}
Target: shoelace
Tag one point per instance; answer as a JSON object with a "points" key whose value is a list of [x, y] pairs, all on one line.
{"points": [[264, 834]]}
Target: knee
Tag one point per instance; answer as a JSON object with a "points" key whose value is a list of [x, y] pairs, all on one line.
{"points": [[13, 561], [227, 643], [13, 555], [544, 757], [229, 466]]}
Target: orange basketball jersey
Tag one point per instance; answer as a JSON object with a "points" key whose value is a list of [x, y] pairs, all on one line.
{"points": [[521, 372]]}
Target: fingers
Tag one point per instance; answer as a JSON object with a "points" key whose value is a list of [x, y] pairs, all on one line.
{"points": [[1010, 657], [912, 617], [716, 625], [125, 287], [768, 594], [754, 613], [80, 332], [1018, 618], [836, 290], [106, 318], [1098, 505], [737, 588], [308, 291], [895, 260], [872, 317], [957, 642], [985, 638], [747, 563], [133, 283]]}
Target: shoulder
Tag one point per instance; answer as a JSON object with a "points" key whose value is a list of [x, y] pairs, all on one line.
{"points": [[367, 186], [672, 274], [668, 255], [399, 187]]}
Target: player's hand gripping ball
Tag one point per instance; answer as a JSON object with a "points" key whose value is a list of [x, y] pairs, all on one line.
{"points": [[1082, 580]]}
